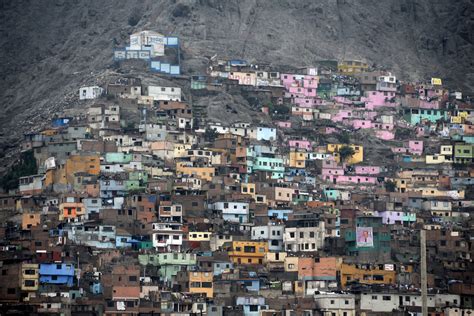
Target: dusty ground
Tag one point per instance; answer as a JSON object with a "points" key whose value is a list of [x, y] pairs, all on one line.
{"points": [[50, 48]]}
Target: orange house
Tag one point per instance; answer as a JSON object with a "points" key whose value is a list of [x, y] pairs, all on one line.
{"points": [[29, 220], [71, 210], [317, 268], [64, 174]]}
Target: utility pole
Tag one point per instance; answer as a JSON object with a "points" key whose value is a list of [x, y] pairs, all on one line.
{"points": [[424, 289]]}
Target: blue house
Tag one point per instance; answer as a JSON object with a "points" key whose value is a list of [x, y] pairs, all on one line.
{"points": [[60, 273], [96, 287], [251, 305], [123, 239], [220, 267], [279, 214], [60, 121]]}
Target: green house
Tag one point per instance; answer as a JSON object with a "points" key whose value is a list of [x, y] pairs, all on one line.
{"points": [[379, 242], [170, 263], [415, 116], [273, 165], [463, 153], [118, 157]]}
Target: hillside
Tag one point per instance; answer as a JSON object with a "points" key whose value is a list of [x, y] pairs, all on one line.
{"points": [[49, 48]]}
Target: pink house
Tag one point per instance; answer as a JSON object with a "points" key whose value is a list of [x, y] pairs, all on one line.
{"points": [[343, 100], [338, 171], [308, 102], [288, 79], [331, 164], [297, 91], [336, 179], [415, 147], [361, 123], [367, 170], [385, 135], [307, 81], [311, 81], [376, 99], [300, 144], [342, 114], [283, 124], [383, 126]]}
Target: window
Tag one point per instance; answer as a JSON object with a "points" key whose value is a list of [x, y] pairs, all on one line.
{"points": [[29, 283], [11, 290], [249, 249], [386, 298], [132, 278], [253, 308]]}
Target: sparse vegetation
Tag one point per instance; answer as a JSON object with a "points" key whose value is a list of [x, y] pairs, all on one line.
{"points": [[345, 152], [26, 166]]}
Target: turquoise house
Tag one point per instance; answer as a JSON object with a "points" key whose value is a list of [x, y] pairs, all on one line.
{"points": [[273, 165], [118, 157], [332, 194], [170, 263], [415, 116]]}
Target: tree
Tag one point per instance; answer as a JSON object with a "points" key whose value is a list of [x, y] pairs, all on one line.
{"points": [[346, 152], [26, 166], [389, 186], [210, 135]]}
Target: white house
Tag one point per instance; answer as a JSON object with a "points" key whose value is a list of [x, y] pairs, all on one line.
{"points": [[272, 233], [387, 302], [164, 93], [148, 40], [304, 238], [237, 212], [93, 92]]}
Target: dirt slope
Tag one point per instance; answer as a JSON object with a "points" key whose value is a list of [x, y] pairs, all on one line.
{"points": [[48, 48]]}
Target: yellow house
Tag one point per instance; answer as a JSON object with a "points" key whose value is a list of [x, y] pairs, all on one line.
{"points": [[356, 158], [297, 159], [29, 220], [291, 264], [351, 67], [456, 119], [366, 275], [275, 257], [248, 252], [434, 192], [199, 236], [248, 188], [180, 150], [446, 150], [89, 164], [436, 159], [201, 282], [244, 78], [29, 276], [203, 173]]}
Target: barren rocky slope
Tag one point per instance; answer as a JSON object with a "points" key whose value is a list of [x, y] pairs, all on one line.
{"points": [[49, 48]]}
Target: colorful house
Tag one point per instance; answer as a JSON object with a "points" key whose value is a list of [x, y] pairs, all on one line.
{"points": [[56, 273], [29, 276], [201, 282], [357, 157], [248, 252], [367, 274]]}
